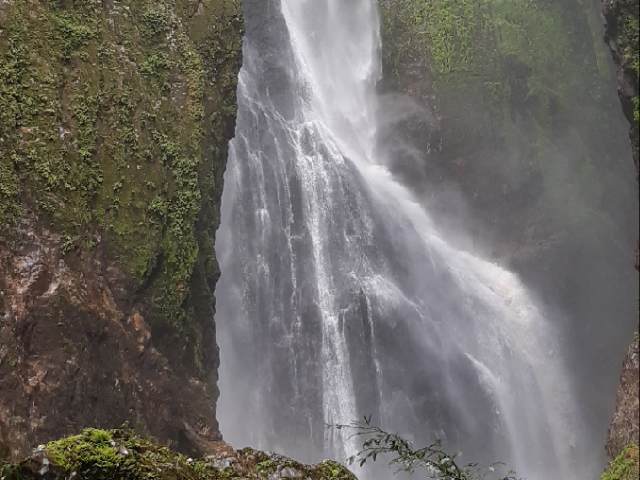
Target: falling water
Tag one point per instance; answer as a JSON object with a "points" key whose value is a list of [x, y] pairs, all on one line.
{"points": [[339, 298]]}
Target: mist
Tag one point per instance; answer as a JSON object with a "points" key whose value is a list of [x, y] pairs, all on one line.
{"points": [[383, 256], [563, 215]]}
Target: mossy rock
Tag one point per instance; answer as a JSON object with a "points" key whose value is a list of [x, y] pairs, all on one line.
{"points": [[109, 117], [119, 454]]}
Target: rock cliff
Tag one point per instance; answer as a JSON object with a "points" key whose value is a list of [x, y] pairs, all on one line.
{"points": [[114, 123], [621, 34]]}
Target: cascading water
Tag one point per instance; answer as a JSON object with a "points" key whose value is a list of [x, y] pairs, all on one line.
{"points": [[338, 298]]}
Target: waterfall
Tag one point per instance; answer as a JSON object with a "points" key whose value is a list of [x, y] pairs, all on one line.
{"points": [[338, 296]]}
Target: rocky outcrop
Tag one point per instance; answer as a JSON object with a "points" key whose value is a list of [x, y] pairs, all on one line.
{"points": [[114, 124], [621, 35], [98, 455], [626, 421]]}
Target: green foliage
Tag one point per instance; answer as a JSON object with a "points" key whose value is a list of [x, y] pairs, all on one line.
{"points": [[517, 87], [628, 40], [73, 31], [9, 189], [625, 466], [156, 65], [67, 244], [101, 455], [155, 21], [94, 146], [436, 463], [119, 454]]}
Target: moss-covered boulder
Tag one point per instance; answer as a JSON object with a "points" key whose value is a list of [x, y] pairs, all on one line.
{"points": [[118, 454]]}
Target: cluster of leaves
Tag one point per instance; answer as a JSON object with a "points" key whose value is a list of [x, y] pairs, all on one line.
{"points": [[626, 466], [433, 459]]}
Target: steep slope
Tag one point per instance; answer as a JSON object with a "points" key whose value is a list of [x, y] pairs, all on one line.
{"points": [[621, 34], [114, 123]]}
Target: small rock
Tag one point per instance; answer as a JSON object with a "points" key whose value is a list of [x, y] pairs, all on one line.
{"points": [[290, 472]]}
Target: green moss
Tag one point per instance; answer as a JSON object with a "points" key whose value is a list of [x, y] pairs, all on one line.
{"points": [[97, 148], [333, 470], [628, 40], [119, 454], [625, 466], [157, 65], [101, 455], [9, 189], [507, 78]]}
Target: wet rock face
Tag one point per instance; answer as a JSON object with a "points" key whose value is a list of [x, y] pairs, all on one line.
{"points": [[621, 35], [69, 357], [99, 454], [114, 123], [624, 426]]}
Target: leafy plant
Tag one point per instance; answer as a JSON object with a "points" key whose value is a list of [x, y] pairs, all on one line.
{"points": [[67, 244], [437, 463]]}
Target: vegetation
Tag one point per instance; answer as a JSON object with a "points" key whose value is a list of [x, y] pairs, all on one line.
{"points": [[99, 120], [119, 454], [628, 40], [625, 466], [432, 459], [113, 121], [507, 78], [99, 454]]}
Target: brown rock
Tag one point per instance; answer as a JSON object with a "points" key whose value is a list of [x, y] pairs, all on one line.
{"points": [[624, 426]]}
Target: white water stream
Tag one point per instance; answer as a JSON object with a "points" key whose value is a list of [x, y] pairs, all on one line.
{"points": [[339, 298]]}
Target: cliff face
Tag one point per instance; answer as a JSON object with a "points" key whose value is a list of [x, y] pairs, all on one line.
{"points": [[114, 123], [621, 34], [516, 119], [624, 426]]}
